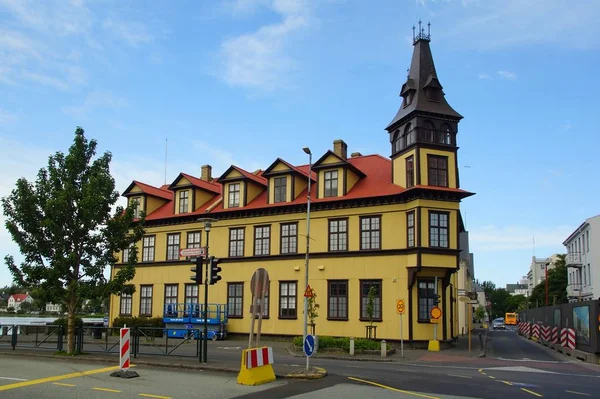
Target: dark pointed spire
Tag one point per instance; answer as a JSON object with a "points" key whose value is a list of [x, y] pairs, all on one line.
{"points": [[422, 90]]}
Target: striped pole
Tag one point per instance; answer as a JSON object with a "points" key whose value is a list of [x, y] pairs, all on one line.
{"points": [[124, 358]]}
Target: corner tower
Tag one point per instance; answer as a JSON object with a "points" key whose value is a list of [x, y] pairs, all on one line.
{"points": [[423, 132]]}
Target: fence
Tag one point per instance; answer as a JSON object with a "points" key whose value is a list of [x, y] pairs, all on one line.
{"points": [[581, 317], [89, 339]]}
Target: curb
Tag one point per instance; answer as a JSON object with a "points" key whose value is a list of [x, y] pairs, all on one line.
{"points": [[333, 357], [315, 374]]}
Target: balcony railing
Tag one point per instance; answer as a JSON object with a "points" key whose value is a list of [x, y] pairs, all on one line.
{"points": [[573, 259]]}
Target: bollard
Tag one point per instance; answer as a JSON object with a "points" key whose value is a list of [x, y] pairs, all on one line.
{"points": [[352, 346], [480, 342], [383, 348]]}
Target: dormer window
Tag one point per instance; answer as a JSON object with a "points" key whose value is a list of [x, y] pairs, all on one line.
{"points": [[331, 183], [136, 207], [408, 98], [184, 197], [280, 189], [234, 195]]}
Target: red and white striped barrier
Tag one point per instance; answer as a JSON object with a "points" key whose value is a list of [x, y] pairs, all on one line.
{"points": [[535, 331], [124, 358], [257, 357], [546, 333], [554, 335], [567, 338]]}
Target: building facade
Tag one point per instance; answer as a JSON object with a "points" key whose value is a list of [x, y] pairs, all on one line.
{"points": [[16, 300], [537, 271], [465, 280], [583, 261], [391, 223], [520, 288]]}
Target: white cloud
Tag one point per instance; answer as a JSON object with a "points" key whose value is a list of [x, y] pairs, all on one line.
{"points": [[507, 75], [258, 59], [483, 76], [44, 80], [52, 16], [97, 99], [498, 239], [133, 33], [6, 117]]}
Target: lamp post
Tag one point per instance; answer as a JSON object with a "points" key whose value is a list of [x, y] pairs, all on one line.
{"points": [[307, 151], [207, 227]]}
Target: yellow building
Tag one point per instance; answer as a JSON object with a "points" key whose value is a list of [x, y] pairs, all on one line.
{"points": [[388, 222]]}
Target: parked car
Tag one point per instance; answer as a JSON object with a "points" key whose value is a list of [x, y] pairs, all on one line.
{"points": [[498, 324]]}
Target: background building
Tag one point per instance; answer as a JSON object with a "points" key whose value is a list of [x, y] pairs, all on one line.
{"points": [[537, 271], [15, 300], [520, 288], [583, 260]]}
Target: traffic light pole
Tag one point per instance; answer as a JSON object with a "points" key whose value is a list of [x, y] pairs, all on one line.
{"points": [[206, 276], [435, 290]]}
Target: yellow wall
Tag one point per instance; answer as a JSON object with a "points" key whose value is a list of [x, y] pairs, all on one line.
{"points": [[280, 167], [351, 179], [400, 168], [253, 191], [330, 159], [202, 197], [300, 184], [153, 204], [451, 166], [452, 223]]}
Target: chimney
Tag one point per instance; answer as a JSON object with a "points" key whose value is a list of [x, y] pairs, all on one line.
{"points": [[206, 174], [355, 154], [340, 148]]}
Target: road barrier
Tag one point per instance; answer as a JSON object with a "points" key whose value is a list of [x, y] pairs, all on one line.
{"points": [[535, 332], [567, 338], [545, 333], [554, 335], [257, 366], [125, 347]]}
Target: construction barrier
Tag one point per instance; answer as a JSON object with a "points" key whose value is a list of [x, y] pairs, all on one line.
{"points": [[125, 345], [257, 366], [567, 338], [546, 333], [535, 332], [554, 335]]}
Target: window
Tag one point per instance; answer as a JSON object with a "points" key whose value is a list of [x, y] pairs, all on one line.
{"points": [[280, 189], [265, 311], [365, 287], [410, 229], [262, 236], [589, 270], [409, 133], [587, 238], [191, 300], [173, 246], [236, 242], [148, 249], [584, 275], [370, 232], [184, 201], [582, 243], [397, 141], [438, 229], [338, 235], [145, 300], [127, 253], [235, 299], [337, 308], [289, 238], [234, 195], [410, 171], [447, 138], [287, 299], [426, 299], [193, 239], [126, 301], [437, 170], [137, 211], [331, 183], [171, 299]]}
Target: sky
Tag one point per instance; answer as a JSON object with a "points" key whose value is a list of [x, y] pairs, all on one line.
{"points": [[246, 81]]}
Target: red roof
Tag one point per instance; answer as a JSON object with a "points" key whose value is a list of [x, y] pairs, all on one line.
{"points": [[156, 192], [213, 187], [376, 183], [19, 297], [257, 178]]}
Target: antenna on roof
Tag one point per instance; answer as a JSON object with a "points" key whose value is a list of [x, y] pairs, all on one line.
{"points": [[166, 152]]}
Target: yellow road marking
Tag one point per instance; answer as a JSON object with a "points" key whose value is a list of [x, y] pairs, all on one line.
{"points": [[493, 378], [63, 384], [394, 389], [154, 396], [578, 393], [458, 375], [57, 378], [106, 390], [533, 393], [507, 382]]}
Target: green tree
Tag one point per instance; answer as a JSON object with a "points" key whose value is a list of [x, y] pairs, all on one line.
{"points": [[557, 286], [498, 298], [515, 303], [372, 294], [64, 229], [26, 307], [488, 287], [479, 313]]}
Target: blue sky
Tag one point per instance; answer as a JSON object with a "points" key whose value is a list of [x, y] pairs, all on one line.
{"points": [[244, 82]]}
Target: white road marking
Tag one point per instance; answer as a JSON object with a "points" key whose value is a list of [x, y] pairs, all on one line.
{"points": [[520, 369], [12, 379]]}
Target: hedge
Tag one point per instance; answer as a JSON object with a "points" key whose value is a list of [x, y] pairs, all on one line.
{"points": [[156, 322], [344, 343], [63, 321]]}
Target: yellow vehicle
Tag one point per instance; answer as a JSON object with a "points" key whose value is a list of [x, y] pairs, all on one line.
{"points": [[510, 319]]}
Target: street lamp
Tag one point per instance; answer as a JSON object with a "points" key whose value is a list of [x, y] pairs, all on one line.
{"points": [[307, 151], [207, 228]]}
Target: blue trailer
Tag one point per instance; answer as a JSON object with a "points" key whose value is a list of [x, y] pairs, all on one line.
{"points": [[182, 320]]}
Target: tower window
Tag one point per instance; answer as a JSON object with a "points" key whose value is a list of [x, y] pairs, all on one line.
{"points": [[331, 183], [397, 141], [410, 173], [446, 135], [437, 170], [438, 229]]}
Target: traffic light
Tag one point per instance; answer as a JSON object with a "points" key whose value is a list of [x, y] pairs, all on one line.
{"points": [[197, 270], [213, 264], [436, 299]]}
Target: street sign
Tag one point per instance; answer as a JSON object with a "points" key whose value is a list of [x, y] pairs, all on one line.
{"points": [[106, 322], [259, 284], [436, 312], [400, 306], [309, 345], [308, 293], [434, 321], [197, 252]]}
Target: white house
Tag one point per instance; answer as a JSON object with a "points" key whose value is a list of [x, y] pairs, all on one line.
{"points": [[16, 300], [51, 307], [537, 271], [583, 261]]}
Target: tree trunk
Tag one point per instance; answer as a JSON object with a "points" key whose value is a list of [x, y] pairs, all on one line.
{"points": [[71, 325]]}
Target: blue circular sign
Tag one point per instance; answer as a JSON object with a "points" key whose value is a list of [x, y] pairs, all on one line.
{"points": [[309, 345]]}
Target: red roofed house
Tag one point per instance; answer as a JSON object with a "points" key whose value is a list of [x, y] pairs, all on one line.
{"points": [[16, 300], [387, 223]]}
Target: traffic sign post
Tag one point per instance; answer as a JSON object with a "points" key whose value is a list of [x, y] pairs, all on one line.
{"points": [[400, 310], [309, 345], [193, 252]]}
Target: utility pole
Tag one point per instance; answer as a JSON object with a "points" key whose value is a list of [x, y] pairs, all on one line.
{"points": [[307, 151]]}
